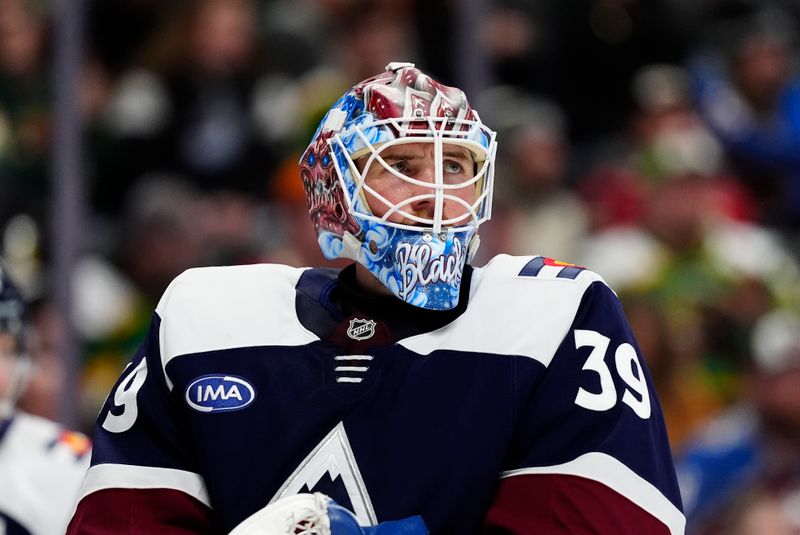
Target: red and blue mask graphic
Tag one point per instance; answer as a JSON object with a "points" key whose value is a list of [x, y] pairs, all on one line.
{"points": [[418, 253]]}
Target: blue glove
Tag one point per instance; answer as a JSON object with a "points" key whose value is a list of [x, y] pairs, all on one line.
{"points": [[343, 522]]}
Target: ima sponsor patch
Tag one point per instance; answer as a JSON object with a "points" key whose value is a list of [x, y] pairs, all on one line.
{"points": [[219, 393]]}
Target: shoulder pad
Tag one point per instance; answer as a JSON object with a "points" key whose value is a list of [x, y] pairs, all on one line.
{"points": [[519, 305], [540, 268], [208, 309]]}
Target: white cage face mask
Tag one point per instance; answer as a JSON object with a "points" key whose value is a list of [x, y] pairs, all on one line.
{"points": [[419, 189], [399, 177], [433, 175]]}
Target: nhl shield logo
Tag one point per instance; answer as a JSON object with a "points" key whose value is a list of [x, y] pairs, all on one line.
{"points": [[361, 329]]}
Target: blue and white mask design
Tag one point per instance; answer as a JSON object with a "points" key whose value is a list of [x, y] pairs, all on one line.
{"points": [[398, 177]]}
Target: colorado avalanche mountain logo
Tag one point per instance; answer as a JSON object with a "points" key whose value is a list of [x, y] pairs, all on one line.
{"points": [[361, 329], [218, 393], [331, 468]]}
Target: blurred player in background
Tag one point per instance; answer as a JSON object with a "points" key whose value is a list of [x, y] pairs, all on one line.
{"points": [[416, 391], [41, 464]]}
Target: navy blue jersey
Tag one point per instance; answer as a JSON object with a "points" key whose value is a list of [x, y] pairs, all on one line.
{"points": [[528, 406]]}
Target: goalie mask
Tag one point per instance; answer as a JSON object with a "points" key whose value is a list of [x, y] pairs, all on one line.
{"points": [[398, 177], [15, 364]]}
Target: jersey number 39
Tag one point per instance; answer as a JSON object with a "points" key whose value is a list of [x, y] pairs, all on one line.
{"points": [[125, 397], [636, 395]]}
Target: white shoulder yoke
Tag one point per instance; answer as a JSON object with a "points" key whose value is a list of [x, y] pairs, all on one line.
{"points": [[518, 305], [213, 308]]}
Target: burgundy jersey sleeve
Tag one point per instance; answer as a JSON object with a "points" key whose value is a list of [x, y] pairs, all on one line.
{"points": [[590, 453]]}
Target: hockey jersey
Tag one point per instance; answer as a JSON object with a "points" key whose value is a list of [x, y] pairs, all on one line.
{"points": [[41, 469], [527, 409]]}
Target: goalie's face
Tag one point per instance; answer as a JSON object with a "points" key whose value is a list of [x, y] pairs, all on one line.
{"points": [[403, 184]]}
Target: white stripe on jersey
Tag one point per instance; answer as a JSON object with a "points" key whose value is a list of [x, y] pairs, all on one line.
{"points": [[615, 475], [509, 314], [123, 476], [208, 309]]}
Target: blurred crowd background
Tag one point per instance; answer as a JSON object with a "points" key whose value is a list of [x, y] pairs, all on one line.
{"points": [[656, 142]]}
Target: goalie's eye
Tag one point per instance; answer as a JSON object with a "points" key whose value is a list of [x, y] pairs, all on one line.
{"points": [[451, 166], [402, 166]]}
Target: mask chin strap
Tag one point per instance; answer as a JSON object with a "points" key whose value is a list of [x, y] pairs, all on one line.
{"points": [[351, 246], [472, 249]]}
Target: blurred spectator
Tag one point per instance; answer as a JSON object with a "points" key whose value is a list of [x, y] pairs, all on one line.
{"points": [[752, 447], [369, 35], [26, 127], [748, 90], [599, 46], [520, 45], [192, 110], [25, 121], [534, 210], [665, 139], [765, 511]]}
